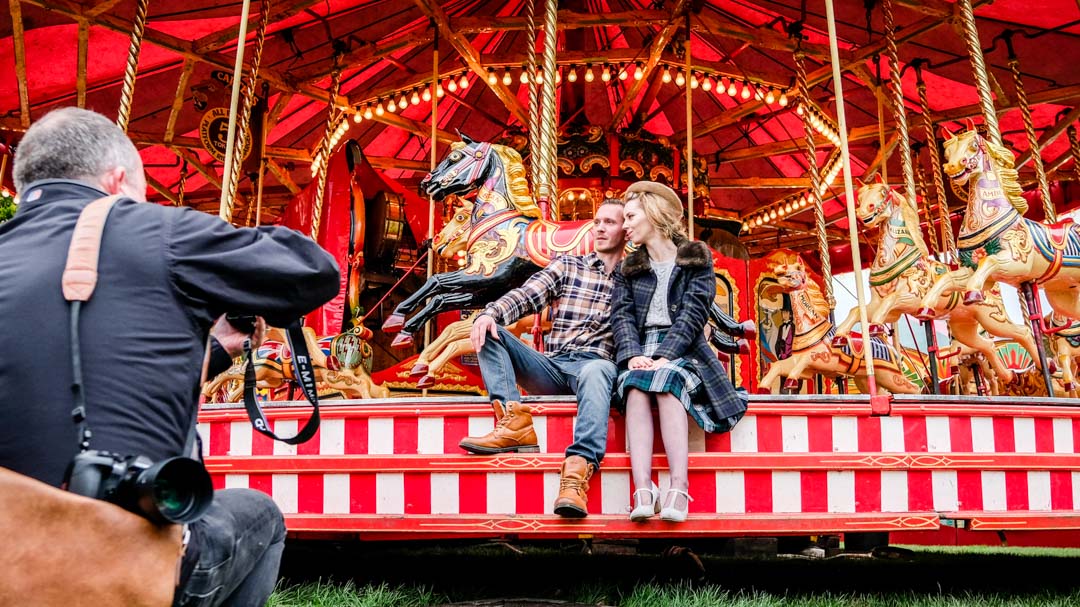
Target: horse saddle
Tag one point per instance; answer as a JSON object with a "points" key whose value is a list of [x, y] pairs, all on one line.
{"points": [[1058, 233], [66, 550]]}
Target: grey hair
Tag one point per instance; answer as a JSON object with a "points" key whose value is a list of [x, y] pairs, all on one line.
{"points": [[73, 143]]}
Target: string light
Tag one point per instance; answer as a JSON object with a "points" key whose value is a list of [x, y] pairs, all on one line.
{"points": [[667, 75], [694, 81], [589, 77], [539, 76], [622, 74], [493, 79], [452, 86], [639, 71], [745, 91], [680, 78], [507, 78], [731, 89], [416, 96], [426, 95], [379, 111], [707, 85], [605, 73], [770, 97], [439, 90], [783, 99], [463, 82], [357, 117], [572, 76], [403, 102], [391, 106], [525, 75], [367, 111]]}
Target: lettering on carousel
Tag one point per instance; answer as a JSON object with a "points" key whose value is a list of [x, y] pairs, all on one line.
{"points": [[214, 133]]}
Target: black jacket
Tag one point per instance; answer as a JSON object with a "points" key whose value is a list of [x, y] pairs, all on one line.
{"points": [[691, 291], [165, 274]]}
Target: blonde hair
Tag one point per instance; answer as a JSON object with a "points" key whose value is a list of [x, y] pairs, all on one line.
{"points": [[664, 214]]}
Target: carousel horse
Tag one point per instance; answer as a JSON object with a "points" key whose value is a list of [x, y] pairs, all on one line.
{"points": [[1065, 342], [903, 272], [996, 242], [505, 239], [341, 363], [812, 351]]}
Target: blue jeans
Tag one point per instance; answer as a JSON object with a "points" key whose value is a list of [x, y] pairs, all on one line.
{"points": [[238, 549], [585, 374]]}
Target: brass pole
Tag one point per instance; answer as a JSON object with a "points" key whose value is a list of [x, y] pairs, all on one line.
{"points": [[815, 178], [978, 66], [248, 100], [128, 92], [225, 209], [689, 134]]}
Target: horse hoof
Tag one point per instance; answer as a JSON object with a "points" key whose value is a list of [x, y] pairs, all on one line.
{"points": [[763, 390], [791, 384], [877, 330], [393, 323], [972, 297], [925, 313], [839, 341], [418, 370], [749, 330], [425, 382], [1052, 365], [1068, 386], [744, 347], [403, 340]]}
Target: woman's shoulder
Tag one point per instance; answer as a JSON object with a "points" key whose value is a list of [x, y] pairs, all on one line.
{"points": [[693, 254]]}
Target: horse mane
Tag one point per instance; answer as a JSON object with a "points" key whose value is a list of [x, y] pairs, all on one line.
{"points": [[1005, 162], [817, 298], [910, 213], [516, 180]]}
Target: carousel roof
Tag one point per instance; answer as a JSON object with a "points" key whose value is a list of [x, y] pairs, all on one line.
{"points": [[384, 50]]}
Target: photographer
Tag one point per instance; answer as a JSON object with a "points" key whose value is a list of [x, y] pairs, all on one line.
{"points": [[165, 275]]}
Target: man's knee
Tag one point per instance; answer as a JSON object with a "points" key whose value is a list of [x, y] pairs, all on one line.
{"points": [[251, 508], [599, 371]]}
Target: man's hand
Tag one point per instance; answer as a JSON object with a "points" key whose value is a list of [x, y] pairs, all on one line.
{"points": [[233, 340], [640, 362], [483, 325]]}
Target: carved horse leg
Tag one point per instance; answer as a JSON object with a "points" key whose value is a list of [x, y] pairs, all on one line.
{"points": [[776, 370], [435, 284], [947, 283], [454, 331], [988, 266], [966, 331]]}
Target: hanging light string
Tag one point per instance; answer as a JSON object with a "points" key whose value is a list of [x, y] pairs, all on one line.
{"points": [[815, 177], [324, 152], [944, 217], [247, 100], [138, 28], [1029, 128]]}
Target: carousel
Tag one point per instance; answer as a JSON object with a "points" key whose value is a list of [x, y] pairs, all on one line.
{"points": [[444, 152]]}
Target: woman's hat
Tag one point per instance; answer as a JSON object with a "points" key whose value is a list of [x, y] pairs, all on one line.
{"points": [[658, 189]]}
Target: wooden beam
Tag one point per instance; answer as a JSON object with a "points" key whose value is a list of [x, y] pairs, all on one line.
{"points": [[278, 12], [415, 127], [935, 8], [162, 189], [659, 43], [779, 148], [275, 112], [761, 37], [208, 173], [727, 183], [368, 52], [472, 58], [101, 7], [1050, 135], [282, 176], [384, 163], [178, 99], [80, 66], [567, 19], [18, 40]]}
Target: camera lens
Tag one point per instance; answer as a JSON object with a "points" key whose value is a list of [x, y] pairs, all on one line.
{"points": [[175, 490]]}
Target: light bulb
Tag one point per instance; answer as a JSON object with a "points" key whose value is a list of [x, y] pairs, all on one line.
{"points": [[403, 101], [524, 76], [463, 82], [589, 77], [367, 111], [415, 97], [787, 207], [745, 91], [492, 78], [379, 111], [439, 90], [694, 82], [783, 99], [770, 97], [731, 89], [507, 78], [605, 74], [539, 77], [680, 78], [558, 76], [667, 75], [426, 95], [356, 118], [392, 106], [772, 214], [572, 76], [799, 110], [452, 85], [623, 75], [707, 85]]}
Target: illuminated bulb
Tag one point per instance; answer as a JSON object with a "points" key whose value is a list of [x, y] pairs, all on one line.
{"points": [[639, 71], [439, 90], [589, 77], [799, 110], [772, 214], [356, 118], [452, 85], [770, 97], [760, 221], [463, 82], [745, 91], [415, 97], [507, 78], [707, 85], [492, 78], [787, 207], [367, 111], [403, 101], [781, 212], [392, 106], [379, 111], [680, 78], [667, 75], [539, 77], [605, 74], [524, 78], [731, 90], [572, 76], [783, 99], [694, 81], [558, 76], [426, 95]]}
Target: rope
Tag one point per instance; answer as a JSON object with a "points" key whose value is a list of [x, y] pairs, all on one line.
{"points": [[324, 151], [947, 239], [535, 162], [549, 188], [1033, 139], [899, 113], [1074, 147], [128, 92], [978, 66], [247, 101], [920, 186], [815, 177]]}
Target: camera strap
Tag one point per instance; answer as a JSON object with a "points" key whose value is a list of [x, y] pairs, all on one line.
{"points": [[305, 376]]}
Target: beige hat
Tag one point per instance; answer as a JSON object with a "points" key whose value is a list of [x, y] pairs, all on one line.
{"points": [[659, 189]]}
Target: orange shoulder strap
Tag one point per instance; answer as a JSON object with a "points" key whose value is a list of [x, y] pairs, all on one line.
{"points": [[81, 270]]}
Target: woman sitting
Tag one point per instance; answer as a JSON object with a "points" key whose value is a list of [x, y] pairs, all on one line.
{"points": [[659, 309]]}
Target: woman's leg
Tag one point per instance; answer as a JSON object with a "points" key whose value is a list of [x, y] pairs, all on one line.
{"points": [[639, 436], [674, 431]]}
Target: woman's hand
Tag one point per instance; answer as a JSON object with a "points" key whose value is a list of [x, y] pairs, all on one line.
{"points": [[640, 362], [659, 362]]}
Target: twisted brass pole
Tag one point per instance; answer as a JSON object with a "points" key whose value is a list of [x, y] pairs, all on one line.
{"points": [[1033, 139], [978, 66], [920, 186], [899, 114], [130, 71], [181, 188], [247, 101], [815, 177], [1074, 147], [226, 206], [535, 163], [549, 187], [689, 90], [947, 239], [324, 153]]}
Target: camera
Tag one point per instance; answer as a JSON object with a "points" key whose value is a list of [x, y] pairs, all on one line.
{"points": [[243, 323], [173, 490]]}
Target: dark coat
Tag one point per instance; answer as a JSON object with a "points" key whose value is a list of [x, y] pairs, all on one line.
{"points": [[165, 275], [690, 292]]}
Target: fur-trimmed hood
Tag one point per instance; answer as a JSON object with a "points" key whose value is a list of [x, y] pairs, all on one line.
{"points": [[688, 254]]}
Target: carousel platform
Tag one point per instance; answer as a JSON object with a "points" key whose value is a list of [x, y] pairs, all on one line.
{"points": [[795, 465]]}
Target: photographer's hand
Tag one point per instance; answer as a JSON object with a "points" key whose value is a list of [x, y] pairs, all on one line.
{"points": [[232, 340]]}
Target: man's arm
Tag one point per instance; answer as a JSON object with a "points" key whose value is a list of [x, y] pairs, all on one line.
{"points": [[538, 291], [276, 273]]}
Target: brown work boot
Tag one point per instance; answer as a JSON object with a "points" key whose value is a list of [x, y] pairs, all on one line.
{"points": [[513, 432], [574, 487]]}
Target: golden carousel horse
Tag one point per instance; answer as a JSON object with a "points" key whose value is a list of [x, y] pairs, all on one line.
{"points": [[341, 363], [903, 272], [812, 351], [996, 242]]}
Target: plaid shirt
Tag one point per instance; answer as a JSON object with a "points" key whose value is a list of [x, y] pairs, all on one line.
{"points": [[579, 291]]}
